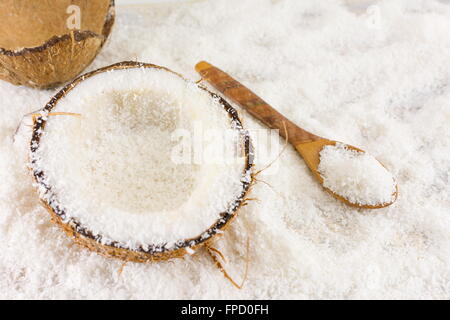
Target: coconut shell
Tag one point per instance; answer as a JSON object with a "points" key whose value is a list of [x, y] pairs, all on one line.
{"points": [[37, 48], [84, 237]]}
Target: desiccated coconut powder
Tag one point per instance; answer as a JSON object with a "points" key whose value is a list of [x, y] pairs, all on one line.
{"points": [[379, 80], [356, 176], [113, 168]]}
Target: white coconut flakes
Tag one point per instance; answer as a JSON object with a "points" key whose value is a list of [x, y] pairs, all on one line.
{"points": [[376, 81], [113, 168], [356, 176]]}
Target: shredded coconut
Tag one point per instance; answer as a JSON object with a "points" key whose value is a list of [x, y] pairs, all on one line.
{"points": [[356, 176], [112, 167], [381, 83]]}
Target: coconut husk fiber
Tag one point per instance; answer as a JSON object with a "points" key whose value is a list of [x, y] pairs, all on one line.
{"points": [[152, 252], [37, 48]]}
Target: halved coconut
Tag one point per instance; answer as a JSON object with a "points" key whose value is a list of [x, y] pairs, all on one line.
{"points": [[40, 45], [135, 162]]}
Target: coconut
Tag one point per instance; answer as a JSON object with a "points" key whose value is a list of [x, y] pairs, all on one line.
{"points": [[48, 43], [113, 164]]}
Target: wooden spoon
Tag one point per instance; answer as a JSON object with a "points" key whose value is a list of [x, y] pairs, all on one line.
{"points": [[307, 144]]}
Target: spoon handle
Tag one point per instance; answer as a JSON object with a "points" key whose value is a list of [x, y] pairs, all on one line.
{"points": [[257, 107]]}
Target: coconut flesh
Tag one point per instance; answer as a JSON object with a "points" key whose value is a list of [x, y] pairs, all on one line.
{"points": [[356, 176], [46, 43], [127, 171]]}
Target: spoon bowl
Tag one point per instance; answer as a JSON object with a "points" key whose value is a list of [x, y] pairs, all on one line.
{"points": [[310, 152]]}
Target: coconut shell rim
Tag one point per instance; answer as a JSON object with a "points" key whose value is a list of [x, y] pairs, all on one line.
{"points": [[77, 36], [154, 252]]}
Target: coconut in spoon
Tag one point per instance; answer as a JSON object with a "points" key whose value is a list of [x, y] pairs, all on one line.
{"points": [[348, 173], [356, 176]]}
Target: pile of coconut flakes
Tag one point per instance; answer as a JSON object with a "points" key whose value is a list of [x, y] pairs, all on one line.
{"points": [[376, 78]]}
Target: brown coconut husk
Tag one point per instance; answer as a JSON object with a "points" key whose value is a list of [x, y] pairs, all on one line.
{"points": [[36, 47], [84, 237]]}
